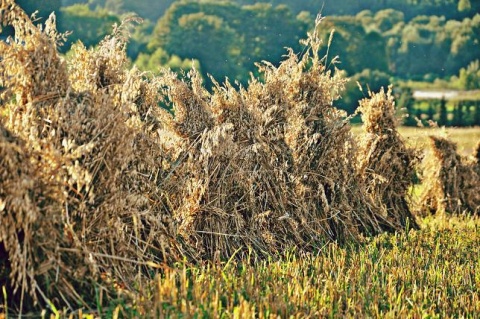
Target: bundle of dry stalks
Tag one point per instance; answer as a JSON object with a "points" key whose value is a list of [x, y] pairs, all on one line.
{"points": [[451, 181], [269, 166], [386, 165], [111, 186], [27, 215], [92, 162]]}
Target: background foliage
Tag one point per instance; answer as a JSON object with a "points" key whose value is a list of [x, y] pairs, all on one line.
{"points": [[377, 41]]}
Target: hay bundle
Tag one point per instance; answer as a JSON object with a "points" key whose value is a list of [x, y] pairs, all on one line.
{"points": [[385, 164], [215, 185], [28, 213], [93, 128], [269, 166], [451, 181]]}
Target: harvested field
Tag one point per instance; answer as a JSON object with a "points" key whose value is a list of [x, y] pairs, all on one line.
{"points": [[466, 138], [104, 190]]}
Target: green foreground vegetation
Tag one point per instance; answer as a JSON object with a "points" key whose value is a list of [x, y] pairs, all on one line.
{"points": [[430, 273]]}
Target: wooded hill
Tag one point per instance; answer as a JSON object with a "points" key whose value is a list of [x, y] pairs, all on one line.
{"points": [[377, 41]]}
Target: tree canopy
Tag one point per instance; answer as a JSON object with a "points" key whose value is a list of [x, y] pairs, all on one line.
{"points": [[419, 40], [227, 38]]}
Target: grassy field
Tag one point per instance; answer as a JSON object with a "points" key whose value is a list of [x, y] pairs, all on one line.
{"points": [[430, 273], [465, 137]]}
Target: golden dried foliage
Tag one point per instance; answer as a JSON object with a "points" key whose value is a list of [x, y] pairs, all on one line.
{"points": [[386, 165], [91, 202], [109, 186], [452, 182]]}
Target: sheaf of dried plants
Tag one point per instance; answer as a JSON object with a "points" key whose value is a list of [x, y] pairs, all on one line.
{"points": [[84, 135], [386, 165], [451, 181], [100, 187]]}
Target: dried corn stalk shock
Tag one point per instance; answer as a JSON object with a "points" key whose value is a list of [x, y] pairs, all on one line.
{"points": [[385, 164], [451, 181], [86, 203]]}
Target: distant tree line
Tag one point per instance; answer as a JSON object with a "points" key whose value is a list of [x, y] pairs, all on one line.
{"points": [[438, 111], [377, 41]]}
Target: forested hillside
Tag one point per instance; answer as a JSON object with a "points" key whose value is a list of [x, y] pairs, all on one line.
{"points": [[376, 41]]}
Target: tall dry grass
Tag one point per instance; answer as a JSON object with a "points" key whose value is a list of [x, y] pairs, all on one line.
{"points": [[99, 184]]}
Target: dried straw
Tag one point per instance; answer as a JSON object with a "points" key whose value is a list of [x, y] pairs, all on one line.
{"points": [[99, 185], [90, 132], [386, 165], [451, 180]]}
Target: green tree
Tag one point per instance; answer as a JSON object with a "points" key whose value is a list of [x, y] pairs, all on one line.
{"points": [[147, 9], [458, 116], [464, 43], [227, 39], [469, 77], [43, 10], [357, 48], [407, 102], [468, 113], [442, 112], [372, 80], [160, 59], [476, 113], [208, 39], [431, 111], [86, 25], [464, 5], [387, 19]]}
